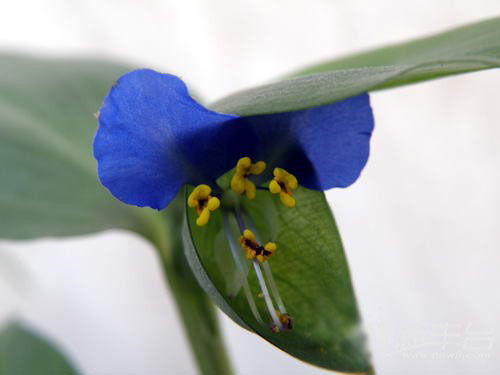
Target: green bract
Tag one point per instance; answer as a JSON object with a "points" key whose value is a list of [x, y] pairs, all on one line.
{"points": [[311, 274]]}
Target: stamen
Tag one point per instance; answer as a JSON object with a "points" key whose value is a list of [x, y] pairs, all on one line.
{"points": [[240, 183], [253, 250], [283, 184], [267, 298], [201, 200], [286, 321], [274, 289], [275, 315], [239, 265], [239, 220]]}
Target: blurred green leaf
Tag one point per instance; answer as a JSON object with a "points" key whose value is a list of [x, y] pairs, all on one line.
{"points": [[49, 184], [465, 49], [24, 353], [48, 177], [311, 273]]}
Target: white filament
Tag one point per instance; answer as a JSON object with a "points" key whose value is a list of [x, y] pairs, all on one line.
{"points": [[239, 265]]}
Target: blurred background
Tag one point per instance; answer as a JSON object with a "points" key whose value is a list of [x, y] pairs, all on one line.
{"points": [[421, 227]]}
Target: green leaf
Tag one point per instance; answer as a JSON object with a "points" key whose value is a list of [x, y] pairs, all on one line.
{"points": [[465, 49], [23, 352], [48, 178], [311, 273]]}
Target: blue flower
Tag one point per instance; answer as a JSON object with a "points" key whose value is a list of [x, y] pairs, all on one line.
{"points": [[154, 138]]}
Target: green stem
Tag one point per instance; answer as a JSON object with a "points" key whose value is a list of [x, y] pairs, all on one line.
{"points": [[195, 309]]}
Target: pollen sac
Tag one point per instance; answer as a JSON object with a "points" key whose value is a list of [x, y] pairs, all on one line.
{"points": [[283, 183], [286, 320], [201, 200], [240, 183], [253, 250]]}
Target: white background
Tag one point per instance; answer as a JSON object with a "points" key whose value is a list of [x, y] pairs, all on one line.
{"points": [[421, 226]]}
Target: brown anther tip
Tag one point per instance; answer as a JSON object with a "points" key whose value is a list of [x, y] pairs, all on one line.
{"points": [[286, 320]]}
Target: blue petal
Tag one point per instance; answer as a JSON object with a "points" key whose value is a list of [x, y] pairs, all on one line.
{"points": [[324, 147], [153, 138]]}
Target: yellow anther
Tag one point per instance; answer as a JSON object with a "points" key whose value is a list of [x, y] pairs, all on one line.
{"points": [[253, 250], [201, 200], [283, 183], [274, 187], [203, 218], [198, 193], [287, 199], [213, 203], [248, 235], [288, 179], [243, 164], [250, 189], [240, 183], [258, 167], [271, 247]]}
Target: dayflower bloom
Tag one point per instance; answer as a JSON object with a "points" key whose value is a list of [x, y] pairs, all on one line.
{"points": [[154, 138]]}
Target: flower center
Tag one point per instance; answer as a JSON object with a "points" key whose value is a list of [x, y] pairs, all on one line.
{"points": [[283, 183], [280, 319]]}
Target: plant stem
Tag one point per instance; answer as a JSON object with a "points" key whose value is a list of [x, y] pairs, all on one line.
{"points": [[196, 311]]}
